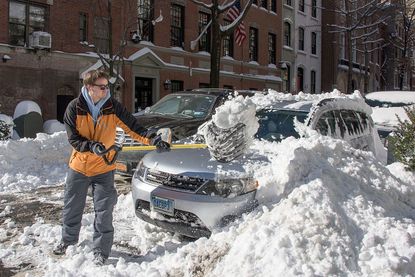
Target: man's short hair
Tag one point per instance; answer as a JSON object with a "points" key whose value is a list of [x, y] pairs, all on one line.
{"points": [[91, 76]]}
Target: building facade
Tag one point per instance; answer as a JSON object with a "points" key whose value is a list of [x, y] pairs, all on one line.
{"points": [[47, 45], [308, 45]]}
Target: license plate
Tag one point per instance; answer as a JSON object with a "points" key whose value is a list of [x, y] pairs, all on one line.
{"points": [[162, 205], [121, 166]]}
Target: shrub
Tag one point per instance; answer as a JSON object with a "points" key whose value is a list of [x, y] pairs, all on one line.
{"points": [[404, 140], [5, 130]]}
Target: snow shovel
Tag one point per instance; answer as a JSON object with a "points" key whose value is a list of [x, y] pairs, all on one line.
{"points": [[165, 135]]}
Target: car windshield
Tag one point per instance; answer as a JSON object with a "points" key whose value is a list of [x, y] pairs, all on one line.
{"points": [[192, 106], [276, 125]]}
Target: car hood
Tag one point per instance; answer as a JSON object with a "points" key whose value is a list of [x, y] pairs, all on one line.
{"points": [[199, 163]]}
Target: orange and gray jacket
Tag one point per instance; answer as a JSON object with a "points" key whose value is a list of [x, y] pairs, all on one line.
{"points": [[82, 132]]}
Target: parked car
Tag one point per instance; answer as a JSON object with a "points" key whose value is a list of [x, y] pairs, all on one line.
{"points": [[387, 106], [182, 112], [186, 191]]}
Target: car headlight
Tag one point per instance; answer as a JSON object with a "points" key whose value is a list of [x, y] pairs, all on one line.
{"points": [[229, 187], [140, 171]]}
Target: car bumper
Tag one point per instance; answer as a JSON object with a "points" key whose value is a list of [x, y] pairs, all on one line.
{"points": [[194, 215]]}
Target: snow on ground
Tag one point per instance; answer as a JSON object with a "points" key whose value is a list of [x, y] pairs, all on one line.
{"points": [[329, 209], [26, 164]]}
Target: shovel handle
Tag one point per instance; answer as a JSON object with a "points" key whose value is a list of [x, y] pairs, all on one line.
{"points": [[173, 146]]}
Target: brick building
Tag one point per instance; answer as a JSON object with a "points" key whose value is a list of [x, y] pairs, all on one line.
{"points": [[364, 57], [161, 62]]}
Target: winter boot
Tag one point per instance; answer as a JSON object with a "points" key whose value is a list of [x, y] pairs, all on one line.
{"points": [[60, 249], [99, 259]]}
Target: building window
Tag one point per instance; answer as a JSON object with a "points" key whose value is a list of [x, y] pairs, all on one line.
{"points": [[255, 2], [177, 26], [264, 4], [274, 6], [314, 8], [272, 48], [145, 14], [313, 81], [287, 34], [301, 5], [83, 27], [288, 2], [176, 85], [313, 43], [101, 34], [25, 19], [301, 39], [204, 41], [253, 44], [300, 79], [228, 43]]}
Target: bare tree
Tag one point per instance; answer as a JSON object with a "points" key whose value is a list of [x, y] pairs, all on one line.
{"points": [[218, 31], [112, 56], [403, 37], [359, 23]]}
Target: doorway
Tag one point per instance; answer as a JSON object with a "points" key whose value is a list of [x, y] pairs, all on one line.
{"points": [[143, 93], [62, 102]]}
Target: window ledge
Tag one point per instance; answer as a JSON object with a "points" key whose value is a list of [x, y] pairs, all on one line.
{"points": [[288, 48]]}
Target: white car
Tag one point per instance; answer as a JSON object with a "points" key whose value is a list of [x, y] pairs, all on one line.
{"points": [[186, 191]]}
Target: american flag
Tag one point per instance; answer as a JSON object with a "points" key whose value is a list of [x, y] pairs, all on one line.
{"points": [[232, 14]]}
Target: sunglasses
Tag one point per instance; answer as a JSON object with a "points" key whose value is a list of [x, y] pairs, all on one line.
{"points": [[102, 87]]}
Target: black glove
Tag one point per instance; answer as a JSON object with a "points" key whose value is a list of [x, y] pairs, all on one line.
{"points": [[97, 148], [160, 144]]}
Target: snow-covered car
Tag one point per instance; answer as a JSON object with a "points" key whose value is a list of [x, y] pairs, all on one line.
{"points": [[386, 106], [188, 192]]}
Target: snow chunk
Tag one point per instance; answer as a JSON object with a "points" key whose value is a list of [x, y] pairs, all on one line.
{"points": [[52, 126]]}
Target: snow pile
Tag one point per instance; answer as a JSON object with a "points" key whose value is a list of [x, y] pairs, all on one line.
{"points": [[30, 163], [52, 126], [25, 107], [231, 129]]}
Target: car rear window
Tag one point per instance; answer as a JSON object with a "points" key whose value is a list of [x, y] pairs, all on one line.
{"points": [[276, 125]]}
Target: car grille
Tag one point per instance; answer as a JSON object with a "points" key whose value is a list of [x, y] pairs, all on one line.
{"points": [[174, 181], [128, 141], [179, 215]]}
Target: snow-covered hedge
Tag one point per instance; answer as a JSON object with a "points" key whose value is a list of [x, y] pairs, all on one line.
{"points": [[404, 140]]}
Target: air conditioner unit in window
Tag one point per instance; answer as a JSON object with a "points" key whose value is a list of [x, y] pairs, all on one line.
{"points": [[40, 40]]}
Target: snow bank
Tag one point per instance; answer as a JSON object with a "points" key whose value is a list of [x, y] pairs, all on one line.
{"points": [[52, 126], [25, 107], [30, 163]]}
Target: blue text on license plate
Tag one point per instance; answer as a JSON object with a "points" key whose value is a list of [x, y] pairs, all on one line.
{"points": [[162, 205]]}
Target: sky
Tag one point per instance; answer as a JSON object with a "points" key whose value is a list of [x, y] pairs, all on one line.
{"points": [[327, 209]]}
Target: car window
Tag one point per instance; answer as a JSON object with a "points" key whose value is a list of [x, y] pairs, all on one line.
{"points": [[193, 106], [351, 121], [275, 125], [326, 124]]}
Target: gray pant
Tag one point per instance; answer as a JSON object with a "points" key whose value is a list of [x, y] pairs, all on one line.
{"points": [[105, 197]]}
